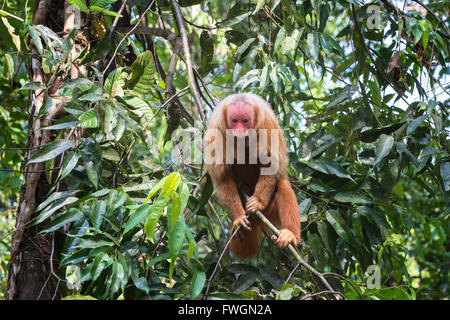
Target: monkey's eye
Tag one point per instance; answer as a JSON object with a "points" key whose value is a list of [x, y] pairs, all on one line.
{"points": [[235, 120], [245, 120]]}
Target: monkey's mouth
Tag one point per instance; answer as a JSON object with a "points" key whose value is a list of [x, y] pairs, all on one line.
{"points": [[240, 133]]}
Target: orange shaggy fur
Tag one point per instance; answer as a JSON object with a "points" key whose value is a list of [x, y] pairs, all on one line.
{"points": [[273, 193]]}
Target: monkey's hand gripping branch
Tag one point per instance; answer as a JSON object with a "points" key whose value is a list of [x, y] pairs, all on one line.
{"points": [[280, 235]]}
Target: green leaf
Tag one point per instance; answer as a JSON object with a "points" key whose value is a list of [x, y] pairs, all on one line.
{"points": [[98, 212], [91, 171], [372, 135], [259, 5], [425, 32], [232, 21], [9, 34], [329, 42], [281, 35], [328, 166], [115, 82], [153, 215], [445, 174], [80, 4], [416, 123], [352, 197], [110, 121], [340, 226], [143, 74], [36, 39], [176, 237], [97, 267], [170, 184], [69, 163], [188, 3], [55, 196], [235, 37], [62, 219], [207, 49], [286, 292], [60, 126], [383, 147], [32, 86], [374, 216], [88, 119], [179, 202], [9, 66], [107, 12], [155, 189], [93, 94], [122, 261], [137, 217], [243, 48], [119, 276], [51, 150], [198, 282], [312, 42], [244, 282], [264, 78], [325, 236], [78, 297], [93, 243], [190, 249], [324, 14]]}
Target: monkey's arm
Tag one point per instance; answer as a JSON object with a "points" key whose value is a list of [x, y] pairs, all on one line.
{"points": [[228, 197], [264, 190]]}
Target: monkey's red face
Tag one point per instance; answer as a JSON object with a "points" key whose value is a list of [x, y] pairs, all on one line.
{"points": [[240, 118]]}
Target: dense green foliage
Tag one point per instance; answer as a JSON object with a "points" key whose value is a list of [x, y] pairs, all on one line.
{"points": [[362, 95]]}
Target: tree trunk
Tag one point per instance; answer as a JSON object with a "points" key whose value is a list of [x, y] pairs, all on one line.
{"points": [[33, 268]]}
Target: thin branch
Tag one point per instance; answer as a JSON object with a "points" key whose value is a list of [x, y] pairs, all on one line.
{"points": [[187, 56], [388, 4], [435, 16], [322, 292], [292, 249], [29, 171], [217, 215], [168, 78], [346, 280], [126, 36], [220, 259], [11, 16], [116, 19], [157, 32], [292, 272]]}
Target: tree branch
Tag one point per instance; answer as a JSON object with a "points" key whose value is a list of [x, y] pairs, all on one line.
{"points": [[291, 248], [187, 56]]}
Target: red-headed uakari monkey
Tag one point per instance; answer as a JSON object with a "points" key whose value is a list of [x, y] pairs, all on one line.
{"points": [[245, 149]]}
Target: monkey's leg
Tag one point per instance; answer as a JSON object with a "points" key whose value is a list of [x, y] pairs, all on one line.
{"points": [[248, 245], [286, 205]]}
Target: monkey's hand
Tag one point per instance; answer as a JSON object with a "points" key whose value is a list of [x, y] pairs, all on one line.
{"points": [[285, 238], [253, 204], [241, 221]]}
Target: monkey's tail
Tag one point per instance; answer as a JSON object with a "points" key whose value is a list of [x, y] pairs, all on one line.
{"points": [[251, 240]]}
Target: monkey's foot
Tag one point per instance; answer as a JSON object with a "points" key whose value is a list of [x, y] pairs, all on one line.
{"points": [[241, 221], [285, 238], [253, 204]]}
